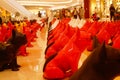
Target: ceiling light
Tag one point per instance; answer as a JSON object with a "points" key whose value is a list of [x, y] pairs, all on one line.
{"points": [[41, 2]]}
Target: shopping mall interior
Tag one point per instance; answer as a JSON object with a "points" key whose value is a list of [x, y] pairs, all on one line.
{"points": [[59, 40]]}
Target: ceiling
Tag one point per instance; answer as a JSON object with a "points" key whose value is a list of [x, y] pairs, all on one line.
{"points": [[33, 6], [51, 4]]}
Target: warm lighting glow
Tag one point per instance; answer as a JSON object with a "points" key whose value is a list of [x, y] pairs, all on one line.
{"points": [[36, 4], [118, 3], [41, 2], [40, 8], [58, 7], [49, 3]]}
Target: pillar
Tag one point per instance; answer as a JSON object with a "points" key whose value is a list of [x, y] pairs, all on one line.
{"points": [[87, 8]]}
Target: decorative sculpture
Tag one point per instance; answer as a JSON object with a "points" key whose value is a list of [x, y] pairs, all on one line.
{"points": [[8, 51], [102, 64]]}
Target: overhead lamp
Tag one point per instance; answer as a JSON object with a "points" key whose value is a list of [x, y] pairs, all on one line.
{"points": [[40, 8], [39, 2], [58, 7], [31, 4]]}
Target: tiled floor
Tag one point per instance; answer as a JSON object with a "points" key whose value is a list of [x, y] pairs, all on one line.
{"points": [[32, 65]]}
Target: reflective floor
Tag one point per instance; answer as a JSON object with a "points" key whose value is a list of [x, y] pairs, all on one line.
{"points": [[32, 65]]}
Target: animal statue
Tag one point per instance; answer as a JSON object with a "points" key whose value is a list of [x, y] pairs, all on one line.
{"points": [[8, 51], [102, 64], [64, 63]]}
